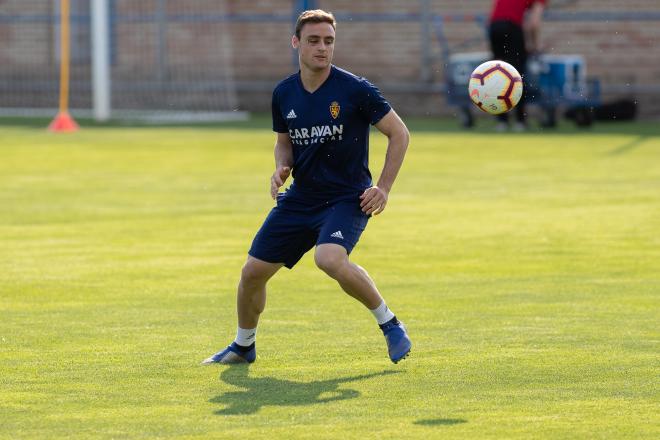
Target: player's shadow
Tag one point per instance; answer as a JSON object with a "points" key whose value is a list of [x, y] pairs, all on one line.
{"points": [[258, 392]]}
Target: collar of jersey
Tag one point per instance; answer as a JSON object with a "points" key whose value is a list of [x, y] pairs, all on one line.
{"points": [[333, 69]]}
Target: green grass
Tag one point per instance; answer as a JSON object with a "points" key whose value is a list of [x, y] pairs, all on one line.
{"points": [[525, 266]]}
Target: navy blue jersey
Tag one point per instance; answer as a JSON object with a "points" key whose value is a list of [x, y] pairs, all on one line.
{"points": [[329, 130]]}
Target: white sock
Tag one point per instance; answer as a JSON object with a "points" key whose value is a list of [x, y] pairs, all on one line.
{"points": [[245, 336], [382, 313]]}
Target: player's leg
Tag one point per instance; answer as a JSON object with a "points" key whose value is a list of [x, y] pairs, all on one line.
{"points": [[251, 297], [507, 42], [499, 34], [340, 232], [519, 61], [353, 279], [250, 302], [281, 241]]}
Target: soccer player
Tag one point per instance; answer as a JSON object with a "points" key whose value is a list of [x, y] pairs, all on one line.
{"points": [[321, 116]]}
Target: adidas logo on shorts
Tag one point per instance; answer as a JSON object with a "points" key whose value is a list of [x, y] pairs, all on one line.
{"points": [[337, 235]]}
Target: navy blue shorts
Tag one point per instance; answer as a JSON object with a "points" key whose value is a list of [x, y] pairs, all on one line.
{"points": [[287, 234]]}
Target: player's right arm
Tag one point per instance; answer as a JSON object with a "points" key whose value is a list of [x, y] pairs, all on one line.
{"points": [[283, 163], [532, 25]]}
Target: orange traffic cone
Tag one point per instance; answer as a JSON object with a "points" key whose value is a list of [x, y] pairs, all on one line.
{"points": [[63, 122]]}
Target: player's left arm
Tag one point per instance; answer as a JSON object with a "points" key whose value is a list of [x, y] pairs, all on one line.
{"points": [[374, 199]]}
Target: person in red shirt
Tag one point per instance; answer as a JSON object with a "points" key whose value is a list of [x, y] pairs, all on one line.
{"points": [[513, 32]]}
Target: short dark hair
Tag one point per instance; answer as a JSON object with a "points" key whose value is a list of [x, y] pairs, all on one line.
{"points": [[314, 16]]}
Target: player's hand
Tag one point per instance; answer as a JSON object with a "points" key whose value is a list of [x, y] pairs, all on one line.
{"points": [[277, 180], [373, 200]]}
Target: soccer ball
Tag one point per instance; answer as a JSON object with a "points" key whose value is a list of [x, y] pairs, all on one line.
{"points": [[495, 87]]}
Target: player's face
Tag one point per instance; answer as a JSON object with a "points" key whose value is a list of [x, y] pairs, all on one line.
{"points": [[316, 46]]}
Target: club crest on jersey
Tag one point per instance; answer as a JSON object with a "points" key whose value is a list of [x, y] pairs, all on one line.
{"points": [[334, 109]]}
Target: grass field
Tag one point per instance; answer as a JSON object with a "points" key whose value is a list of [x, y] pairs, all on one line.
{"points": [[526, 267]]}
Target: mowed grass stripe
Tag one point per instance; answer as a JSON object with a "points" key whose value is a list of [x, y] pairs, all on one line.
{"points": [[525, 266]]}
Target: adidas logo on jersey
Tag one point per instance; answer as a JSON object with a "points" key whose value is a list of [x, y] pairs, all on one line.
{"points": [[291, 115], [337, 235]]}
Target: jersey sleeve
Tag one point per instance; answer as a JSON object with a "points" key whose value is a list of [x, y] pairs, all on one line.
{"points": [[279, 124], [373, 105]]}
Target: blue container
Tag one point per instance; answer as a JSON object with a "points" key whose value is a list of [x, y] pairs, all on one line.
{"points": [[555, 80]]}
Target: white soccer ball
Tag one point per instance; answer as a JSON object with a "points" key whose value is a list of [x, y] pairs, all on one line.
{"points": [[495, 87]]}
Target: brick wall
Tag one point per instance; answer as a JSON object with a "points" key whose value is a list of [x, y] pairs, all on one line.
{"points": [[622, 54]]}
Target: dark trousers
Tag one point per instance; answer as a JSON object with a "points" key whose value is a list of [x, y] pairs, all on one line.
{"points": [[507, 41]]}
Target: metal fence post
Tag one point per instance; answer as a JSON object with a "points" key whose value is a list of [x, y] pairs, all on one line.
{"points": [[426, 36], [101, 60]]}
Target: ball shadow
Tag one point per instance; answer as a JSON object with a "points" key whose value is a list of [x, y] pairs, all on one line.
{"points": [[438, 422]]}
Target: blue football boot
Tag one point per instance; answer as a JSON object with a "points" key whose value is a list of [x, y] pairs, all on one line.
{"points": [[233, 355], [398, 342]]}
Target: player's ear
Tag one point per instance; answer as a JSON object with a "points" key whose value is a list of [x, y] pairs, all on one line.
{"points": [[295, 42]]}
